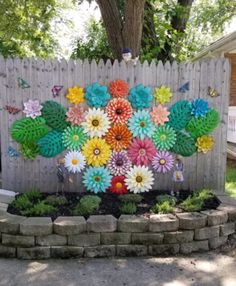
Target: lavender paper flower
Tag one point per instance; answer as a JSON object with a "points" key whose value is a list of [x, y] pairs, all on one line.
{"points": [[119, 163], [32, 108], [163, 162]]}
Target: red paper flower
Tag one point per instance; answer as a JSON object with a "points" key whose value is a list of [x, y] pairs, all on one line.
{"points": [[118, 185], [119, 110], [118, 137], [119, 88]]}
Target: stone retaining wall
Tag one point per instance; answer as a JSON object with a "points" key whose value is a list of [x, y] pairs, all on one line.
{"points": [[106, 236]]}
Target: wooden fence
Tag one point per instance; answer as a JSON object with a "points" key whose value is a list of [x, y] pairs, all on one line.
{"points": [[200, 170]]}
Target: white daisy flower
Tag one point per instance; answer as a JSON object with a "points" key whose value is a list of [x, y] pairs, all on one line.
{"points": [[96, 123], [74, 161], [139, 179]]}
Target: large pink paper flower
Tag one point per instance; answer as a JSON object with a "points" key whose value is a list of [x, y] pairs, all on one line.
{"points": [[32, 108], [75, 115], [163, 162], [159, 115], [141, 152]]}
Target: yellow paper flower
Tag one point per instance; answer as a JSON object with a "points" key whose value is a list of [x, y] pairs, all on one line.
{"points": [[96, 151], [204, 143], [163, 94], [76, 95]]}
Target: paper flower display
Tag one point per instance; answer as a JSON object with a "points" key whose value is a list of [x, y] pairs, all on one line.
{"points": [[96, 151], [141, 152], [32, 108], [184, 145], [96, 123], [76, 95], [97, 95], [55, 115], [204, 143], [74, 137], [119, 163], [118, 137], [163, 94], [118, 185], [140, 124], [164, 137], [29, 150], [74, 161], [97, 179], [75, 115], [119, 110], [51, 144], [140, 97], [163, 162], [28, 130], [159, 115], [199, 107], [119, 88], [180, 114], [139, 179]]}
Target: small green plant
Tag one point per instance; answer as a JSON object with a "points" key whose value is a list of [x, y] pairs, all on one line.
{"points": [[166, 198], [87, 205], [128, 208], [56, 201], [33, 195], [163, 207], [21, 202], [131, 198], [41, 208]]}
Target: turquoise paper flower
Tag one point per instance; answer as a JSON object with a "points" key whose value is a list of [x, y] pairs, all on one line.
{"points": [[97, 179], [140, 124], [199, 107], [97, 95], [140, 97]]}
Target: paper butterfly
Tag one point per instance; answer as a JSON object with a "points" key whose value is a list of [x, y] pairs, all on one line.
{"points": [[56, 90], [12, 109], [212, 92], [22, 83], [184, 87], [12, 152]]}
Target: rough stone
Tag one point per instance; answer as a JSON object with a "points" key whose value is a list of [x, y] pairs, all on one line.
{"points": [[18, 240], [115, 238], [66, 251], [189, 247], [33, 253], [102, 223], [163, 249], [231, 211], [215, 217], [207, 232], [147, 238], [7, 251], [6, 196], [52, 239], [100, 251], [69, 225], [191, 220], [36, 226], [131, 250], [90, 239], [227, 228], [163, 222], [216, 242], [3, 207], [132, 223], [11, 223], [178, 236]]}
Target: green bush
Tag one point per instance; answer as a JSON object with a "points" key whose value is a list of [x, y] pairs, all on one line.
{"points": [[130, 198], [39, 209], [166, 198], [21, 202], [56, 201], [87, 205], [163, 207], [128, 208]]}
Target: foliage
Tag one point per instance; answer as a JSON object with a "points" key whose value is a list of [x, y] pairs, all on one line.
{"points": [[230, 184], [87, 205], [166, 198], [39, 209], [55, 200], [128, 208], [26, 200], [164, 207], [130, 198]]}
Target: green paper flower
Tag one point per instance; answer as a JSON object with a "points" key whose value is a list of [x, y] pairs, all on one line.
{"points": [[164, 137], [29, 150], [184, 145], [74, 137]]}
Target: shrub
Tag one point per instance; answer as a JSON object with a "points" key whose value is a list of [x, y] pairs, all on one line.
{"points": [[87, 205], [22, 202], [166, 198], [33, 195], [163, 207], [128, 208], [131, 198], [56, 201], [39, 209]]}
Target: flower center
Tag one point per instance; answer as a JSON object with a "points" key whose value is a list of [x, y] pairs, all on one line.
{"points": [[163, 137], [119, 185], [142, 152], [142, 124], [119, 111], [75, 137], [118, 137], [97, 179], [139, 179], [95, 122], [96, 151], [162, 161], [119, 162], [74, 161]]}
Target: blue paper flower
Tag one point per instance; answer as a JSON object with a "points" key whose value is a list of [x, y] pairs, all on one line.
{"points": [[97, 95], [199, 107], [97, 179], [140, 124], [140, 96]]}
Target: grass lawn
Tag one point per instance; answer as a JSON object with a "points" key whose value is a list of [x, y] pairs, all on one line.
{"points": [[230, 184]]}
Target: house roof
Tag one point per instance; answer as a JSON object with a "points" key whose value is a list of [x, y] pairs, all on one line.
{"points": [[226, 44]]}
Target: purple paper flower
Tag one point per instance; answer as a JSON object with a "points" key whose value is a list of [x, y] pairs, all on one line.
{"points": [[162, 162], [119, 163], [32, 108]]}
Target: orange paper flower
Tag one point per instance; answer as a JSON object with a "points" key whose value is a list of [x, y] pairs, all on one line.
{"points": [[159, 115], [118, 137], [119, 88], [119, 110]]}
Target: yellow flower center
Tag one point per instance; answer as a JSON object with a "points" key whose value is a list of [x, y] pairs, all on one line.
{"points": [[162, 161], [95, 122], [74, 161], [163, 137], [139, 179], [142, 124], [75, 137], [119, 185]]}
